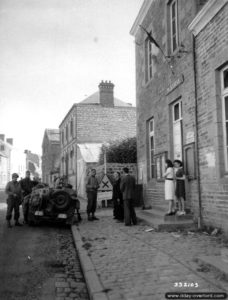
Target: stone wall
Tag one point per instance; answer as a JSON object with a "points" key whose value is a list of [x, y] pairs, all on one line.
{"points": [[212, 55], [102, 124], [155, 98], [115, 167]]}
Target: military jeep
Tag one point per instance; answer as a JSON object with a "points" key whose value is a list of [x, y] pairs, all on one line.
{"points": [[53, 204]]}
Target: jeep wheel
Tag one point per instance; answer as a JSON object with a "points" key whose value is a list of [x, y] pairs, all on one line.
{"points": [[61, 200]]}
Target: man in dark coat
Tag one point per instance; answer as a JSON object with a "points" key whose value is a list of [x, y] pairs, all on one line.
{"points": [[92, 186], [127, 187], [117, 197], [26, 185], [14, 192]]}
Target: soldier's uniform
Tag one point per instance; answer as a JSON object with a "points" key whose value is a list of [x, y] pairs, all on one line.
{"points": [[14, 192]]}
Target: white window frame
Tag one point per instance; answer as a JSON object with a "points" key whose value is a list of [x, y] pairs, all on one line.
{"points": [[175, 123], [148, 60], [224, 94], [151, 134], [174, 2]]}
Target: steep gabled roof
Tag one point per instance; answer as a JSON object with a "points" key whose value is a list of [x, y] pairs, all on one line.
{"points": [[94, 99]]}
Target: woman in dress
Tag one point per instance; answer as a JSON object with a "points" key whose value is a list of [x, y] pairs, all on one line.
{"points": [[117, 197], [169, 186], [180, 186]]}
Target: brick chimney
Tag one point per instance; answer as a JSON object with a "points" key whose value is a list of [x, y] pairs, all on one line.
{"points": [[9, 141], [2, 137], [106, 93]]}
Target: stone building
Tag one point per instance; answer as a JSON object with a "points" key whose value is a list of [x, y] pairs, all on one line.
{"points": [[5, 160], [50, 155], [99, 118], [174, 92], [210, 28], [33, 163]]}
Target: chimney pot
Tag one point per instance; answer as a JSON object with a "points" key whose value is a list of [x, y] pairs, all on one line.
{"points": [[106, 93]]}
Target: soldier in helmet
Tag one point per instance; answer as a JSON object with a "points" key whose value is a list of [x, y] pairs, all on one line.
{"points": [[14, 192]]}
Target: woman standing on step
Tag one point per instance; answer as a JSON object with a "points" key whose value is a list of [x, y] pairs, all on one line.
{"points": [[169, 186], [180, 186]]}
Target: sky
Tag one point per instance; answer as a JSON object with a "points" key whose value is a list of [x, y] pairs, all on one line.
{"points": [[54, 53]]}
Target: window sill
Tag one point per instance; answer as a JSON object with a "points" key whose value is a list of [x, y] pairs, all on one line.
{"points": [[160, 180]]}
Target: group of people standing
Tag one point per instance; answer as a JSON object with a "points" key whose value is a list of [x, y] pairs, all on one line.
{"points": [[123, 195], [16, 195], [175, 187]]}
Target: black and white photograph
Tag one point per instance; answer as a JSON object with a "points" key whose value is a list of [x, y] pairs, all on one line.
{"points": [[113, 149]]}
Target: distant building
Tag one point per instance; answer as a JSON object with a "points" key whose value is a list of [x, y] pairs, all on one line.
{"points": [[33, 163], [99, 118], [50, 155], [18, 162], [182, 102], [5, 160]]}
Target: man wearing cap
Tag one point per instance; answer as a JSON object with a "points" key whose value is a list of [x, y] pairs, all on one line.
{"points": [[14, 192]]}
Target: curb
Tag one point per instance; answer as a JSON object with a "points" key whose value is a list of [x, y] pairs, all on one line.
{"points": [[95, 288]]}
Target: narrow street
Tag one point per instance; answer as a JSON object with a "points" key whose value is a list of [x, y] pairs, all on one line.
{"points": [[38, 263], [135, 263]]}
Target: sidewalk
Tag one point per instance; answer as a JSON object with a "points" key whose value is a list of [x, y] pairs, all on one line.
{"points": [[133, 264]]}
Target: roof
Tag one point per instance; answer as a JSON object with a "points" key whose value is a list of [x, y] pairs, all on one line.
{"points": [[90, 152], [95, 99], [140, 17], [53, 135]]}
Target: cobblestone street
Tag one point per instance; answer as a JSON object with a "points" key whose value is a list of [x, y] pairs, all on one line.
{"points": [[69, 281], [134, 264], [39, 263]]}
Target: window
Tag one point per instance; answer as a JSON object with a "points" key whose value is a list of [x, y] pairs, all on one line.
{"points": [[177, 130], [151, 149], [173, 25], [66, 133], [62, 136], [224, 80], [148, 60], [71, 127], [160, 164], [2, 147]]}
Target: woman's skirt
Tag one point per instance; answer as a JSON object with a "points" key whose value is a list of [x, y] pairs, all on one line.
{"points": [[169, 189]]}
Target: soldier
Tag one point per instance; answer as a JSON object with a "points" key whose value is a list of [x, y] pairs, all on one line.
{"points": [[91, 190], [14, 192], [26, 186]]}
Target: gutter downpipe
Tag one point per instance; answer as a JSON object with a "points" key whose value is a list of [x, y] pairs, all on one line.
{"points": [[200, 219], [76, 152]]}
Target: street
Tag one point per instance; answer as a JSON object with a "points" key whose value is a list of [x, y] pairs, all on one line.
{"points": [[38, 262]]}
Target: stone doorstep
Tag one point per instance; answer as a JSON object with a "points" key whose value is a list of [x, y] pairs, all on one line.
{"points": [[159, 213], [93, 283], [215, 262], [157, 221]]}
